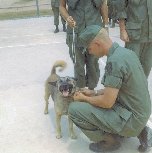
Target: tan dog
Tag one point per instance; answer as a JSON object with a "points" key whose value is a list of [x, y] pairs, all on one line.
{"points": [[61, 90]]}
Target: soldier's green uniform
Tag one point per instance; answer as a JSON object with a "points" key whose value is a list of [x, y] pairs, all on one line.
{"points": [[55, 8], [132, 109], [111, 13], [138, 15], [84, 12]]}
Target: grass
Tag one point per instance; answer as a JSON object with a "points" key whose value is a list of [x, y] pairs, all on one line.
{"points": [[24, 14], [18, 10], [26, 1]]}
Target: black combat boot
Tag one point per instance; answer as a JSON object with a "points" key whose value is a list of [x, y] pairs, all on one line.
{"points": [[64, 27], [110, 143], [57, 29], [145, 139]]}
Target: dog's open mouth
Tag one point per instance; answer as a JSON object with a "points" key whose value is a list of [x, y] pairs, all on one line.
{"points": [[65, 90], [65, 93]]}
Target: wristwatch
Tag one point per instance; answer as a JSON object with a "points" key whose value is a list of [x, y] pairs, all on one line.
{"points": [[96, 92]]}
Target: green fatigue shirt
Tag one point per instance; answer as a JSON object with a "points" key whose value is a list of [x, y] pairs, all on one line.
{"points": [[138, 15], [124, 72], [85, 13], [55, 3]]}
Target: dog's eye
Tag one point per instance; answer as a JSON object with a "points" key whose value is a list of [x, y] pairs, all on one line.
{"points": [[67, 79], [61, 81]]}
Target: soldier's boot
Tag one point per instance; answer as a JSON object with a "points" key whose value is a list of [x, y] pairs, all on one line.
{"points": [[145, 139], [57, 29], [110, 143], [64, 27], [110, 21]]}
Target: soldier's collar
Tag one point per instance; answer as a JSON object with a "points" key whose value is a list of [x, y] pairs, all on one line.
{"points": [[113, 48]]}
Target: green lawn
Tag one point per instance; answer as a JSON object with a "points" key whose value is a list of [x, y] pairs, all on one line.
{"points": [[20, 9], [24, 14]]}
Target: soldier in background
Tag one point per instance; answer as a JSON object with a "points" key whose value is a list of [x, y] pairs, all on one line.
{"points": [[55, 9], [135, 21], [79, 14]]}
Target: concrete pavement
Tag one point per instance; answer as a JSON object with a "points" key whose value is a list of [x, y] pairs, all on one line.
{"points": [[28, 48]]}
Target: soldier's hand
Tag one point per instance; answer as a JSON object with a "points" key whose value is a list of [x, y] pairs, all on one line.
{"points": [[71, 22], [124, 36], [87, 92], [78, 96]]}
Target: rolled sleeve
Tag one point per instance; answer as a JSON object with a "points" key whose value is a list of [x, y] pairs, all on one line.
{"points": [[113, 81], [113, 75]]}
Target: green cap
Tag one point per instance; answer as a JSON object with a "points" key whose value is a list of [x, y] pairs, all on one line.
{"points": [[88, 34]]}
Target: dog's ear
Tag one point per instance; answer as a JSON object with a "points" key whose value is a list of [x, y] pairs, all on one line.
{"points": [[53, 83]]}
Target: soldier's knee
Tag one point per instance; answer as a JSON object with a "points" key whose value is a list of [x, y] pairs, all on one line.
{"points": [[73, 107]]}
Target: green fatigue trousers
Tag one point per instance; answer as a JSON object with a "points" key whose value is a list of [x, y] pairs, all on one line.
{"points": [[56, 16], [96, 122], [144, 52], [90, 77], [92, 121]]}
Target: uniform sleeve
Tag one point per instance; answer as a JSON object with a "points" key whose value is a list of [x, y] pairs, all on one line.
{"points": [[113, 75], [120, 7]]}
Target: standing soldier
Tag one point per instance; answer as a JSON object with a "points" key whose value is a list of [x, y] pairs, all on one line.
{"points": [[135, 21], [55, 9], [81, 13]]}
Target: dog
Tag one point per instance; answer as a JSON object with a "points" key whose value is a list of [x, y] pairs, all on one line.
{"points": [[61, 90]]}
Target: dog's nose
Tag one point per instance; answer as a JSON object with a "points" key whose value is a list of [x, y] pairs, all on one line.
{"points": [[64, 86]]}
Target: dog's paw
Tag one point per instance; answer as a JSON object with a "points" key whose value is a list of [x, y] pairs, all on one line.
{"points": [[58, 136], [73, 136]]}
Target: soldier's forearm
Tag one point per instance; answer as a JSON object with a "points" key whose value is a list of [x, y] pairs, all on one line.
{"points": [[63, 10], [100, 92], [122, 24], [104, 12], [99, 101]]}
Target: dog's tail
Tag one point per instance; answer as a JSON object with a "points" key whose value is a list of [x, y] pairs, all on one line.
{"points": [[60, 63]]}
